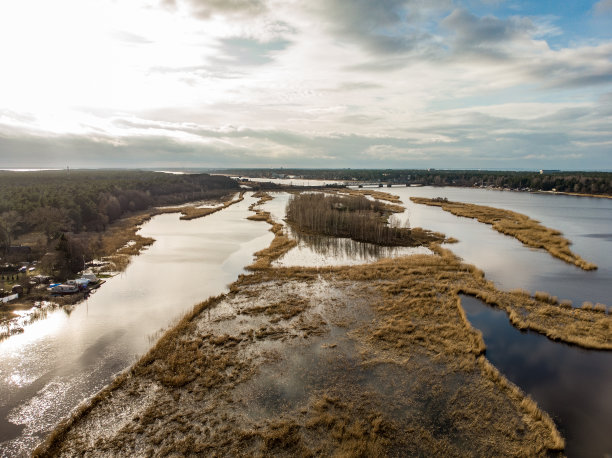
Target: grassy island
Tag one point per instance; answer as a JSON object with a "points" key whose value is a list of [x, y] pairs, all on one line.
{"points": [[355, 217], [189, 212], [530, 232]]}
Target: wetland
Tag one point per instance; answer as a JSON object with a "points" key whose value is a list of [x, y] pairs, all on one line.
{"points": [[370, 354]]}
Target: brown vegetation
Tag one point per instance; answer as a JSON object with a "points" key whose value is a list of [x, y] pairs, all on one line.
{"points": [[418, 384], [517, 225], [190, 212], [354, 217], [395, 205], [403, 370], [281, 242], [379, 195]]}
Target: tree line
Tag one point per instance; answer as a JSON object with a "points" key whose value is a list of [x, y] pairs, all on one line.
{"points": [[578, 182], [61, 202]]}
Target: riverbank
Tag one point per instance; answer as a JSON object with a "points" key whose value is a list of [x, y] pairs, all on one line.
{"points": [[528, 231], [59, 362], [115, 247], [189, 212]]}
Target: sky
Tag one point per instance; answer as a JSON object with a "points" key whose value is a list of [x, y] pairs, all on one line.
{"points": [[498, 84]]}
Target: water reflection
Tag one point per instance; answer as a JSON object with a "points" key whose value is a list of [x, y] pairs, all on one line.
{"points": [[507, 262], [320, 250], [571, 384], [56, 363]]}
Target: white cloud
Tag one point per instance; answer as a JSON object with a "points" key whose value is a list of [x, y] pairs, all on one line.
{"points": [[348, 81]]}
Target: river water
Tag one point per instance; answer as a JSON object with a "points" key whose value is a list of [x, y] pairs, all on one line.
{"points": [[67, 357], [572, 384], [585, 221]]}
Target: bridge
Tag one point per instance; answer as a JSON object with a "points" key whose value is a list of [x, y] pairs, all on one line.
{"points": [[377, 184]]}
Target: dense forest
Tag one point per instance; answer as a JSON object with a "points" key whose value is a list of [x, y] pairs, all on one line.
{"points": [[578, 182], [70, 202]]}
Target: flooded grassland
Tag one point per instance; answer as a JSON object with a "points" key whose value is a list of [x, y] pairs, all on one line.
{"points": [[373, 359]]}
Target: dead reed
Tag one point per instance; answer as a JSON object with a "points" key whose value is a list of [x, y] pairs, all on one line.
{"points": [[120, 241], [354, 217], [186, 395], [192, 212], [379, 195], [281, 243], [517, 225]]}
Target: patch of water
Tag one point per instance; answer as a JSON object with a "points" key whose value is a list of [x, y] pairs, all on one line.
{"points": [[571, 384], [505, 260], [320, 251]]}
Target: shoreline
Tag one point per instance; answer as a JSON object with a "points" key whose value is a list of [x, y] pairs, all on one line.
{"points": [[119, 243], [526, 230]]}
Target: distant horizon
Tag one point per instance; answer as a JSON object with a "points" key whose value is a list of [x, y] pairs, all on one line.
{"points": [[212, 169]]}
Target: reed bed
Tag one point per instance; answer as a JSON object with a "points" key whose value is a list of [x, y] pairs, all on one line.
{"points": [[120, 241], [354, 217], [187, 394], [379, 195], [528, 231], [281, 243], [192, 212]]}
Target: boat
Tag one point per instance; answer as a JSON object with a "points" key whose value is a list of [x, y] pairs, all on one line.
{"points": [[64, 289]]}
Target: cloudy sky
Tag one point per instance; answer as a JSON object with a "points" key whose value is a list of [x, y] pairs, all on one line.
{"points": [[501, 84]]}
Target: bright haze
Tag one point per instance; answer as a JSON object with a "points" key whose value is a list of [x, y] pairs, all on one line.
{"points": [[317, 83]]}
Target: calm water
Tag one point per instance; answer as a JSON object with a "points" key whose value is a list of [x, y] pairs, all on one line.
{"points": [[573, 385], [586, 222], [317, 250], [62, 360]]}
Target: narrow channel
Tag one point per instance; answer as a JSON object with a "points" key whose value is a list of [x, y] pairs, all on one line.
{"points": [[571, 384]]}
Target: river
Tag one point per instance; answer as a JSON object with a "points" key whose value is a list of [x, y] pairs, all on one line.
{"points": [[570, 383], [64, 359], [585, 221]]}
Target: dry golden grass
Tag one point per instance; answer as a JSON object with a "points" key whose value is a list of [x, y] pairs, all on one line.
{"points": [[192, 212], [120, 241], [380, 195], [395, 205], [418, 326], [517, 225], [281, 243]]}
